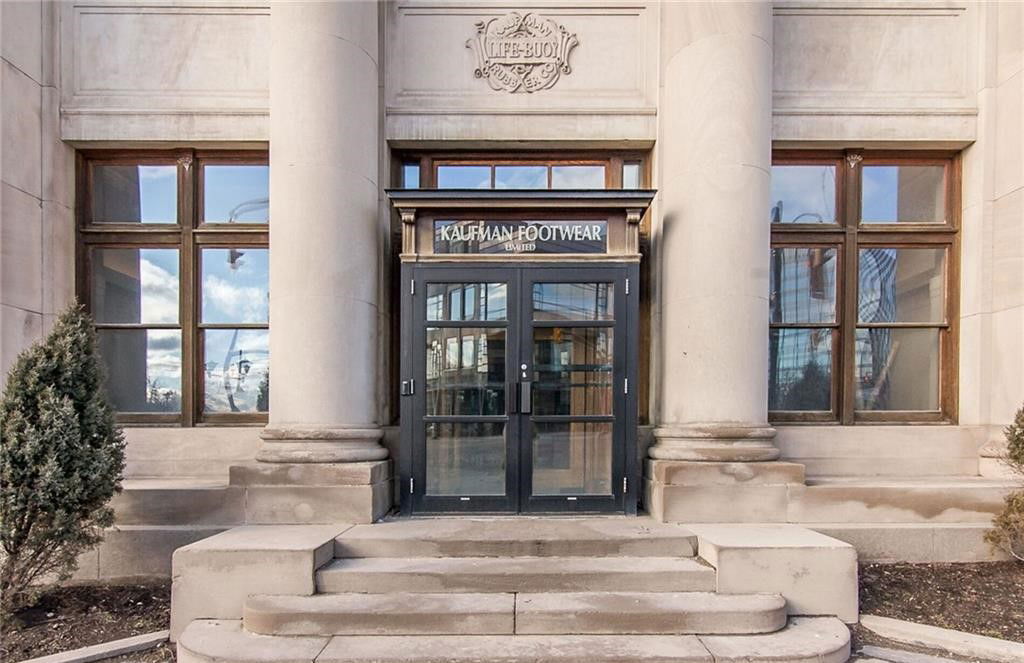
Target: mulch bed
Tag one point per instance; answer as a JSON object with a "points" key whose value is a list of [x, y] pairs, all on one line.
{"points": [[983, 598], [65, 618]]}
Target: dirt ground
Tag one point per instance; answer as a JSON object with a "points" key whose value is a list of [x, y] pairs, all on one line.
{"points": [[984, 598], [87, 614]]}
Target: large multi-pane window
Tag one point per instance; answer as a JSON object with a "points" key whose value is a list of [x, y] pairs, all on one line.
{"points": [[173, 266], [863, 274]]}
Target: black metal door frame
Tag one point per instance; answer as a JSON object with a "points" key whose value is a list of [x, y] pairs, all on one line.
{"points": [[519, 326]]}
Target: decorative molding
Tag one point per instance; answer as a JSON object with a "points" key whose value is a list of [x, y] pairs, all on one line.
{"points": [[854, 159], [408, 216], [521, 52], [185, 162]]}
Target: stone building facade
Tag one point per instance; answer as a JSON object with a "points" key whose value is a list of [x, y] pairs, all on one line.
{"points": [[809, 220]]}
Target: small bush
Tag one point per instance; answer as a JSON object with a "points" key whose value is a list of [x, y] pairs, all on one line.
{"points": [[1008, 534], [1015, 443], [61, 458]]}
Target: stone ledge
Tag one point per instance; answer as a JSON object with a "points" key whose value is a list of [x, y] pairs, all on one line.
{"points": [[955, 642], [815, 573], [213, 577], [310, 474], [699, 473]]}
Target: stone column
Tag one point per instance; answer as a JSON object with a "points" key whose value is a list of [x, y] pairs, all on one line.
{"points": [[715, 160], [324, 258]]}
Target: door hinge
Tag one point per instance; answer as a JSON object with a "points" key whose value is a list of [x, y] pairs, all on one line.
{"points": [[409, 387], [412, 286], [412, 485], [625, 485], [627, 286], [625, 385]]}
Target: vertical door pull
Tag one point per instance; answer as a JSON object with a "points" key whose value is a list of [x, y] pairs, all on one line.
{"points": [[525, 397]]}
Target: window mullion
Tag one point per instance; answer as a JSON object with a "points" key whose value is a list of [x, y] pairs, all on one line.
{"points": [[847, 383], [186, 204]]}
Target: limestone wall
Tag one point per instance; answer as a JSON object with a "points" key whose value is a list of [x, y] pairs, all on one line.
{"points": [[868, 74], [138, 70], [37, 232]]}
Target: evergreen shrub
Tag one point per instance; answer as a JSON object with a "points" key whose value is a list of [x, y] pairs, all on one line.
{"points": [[61, 459], [1008, 534]]}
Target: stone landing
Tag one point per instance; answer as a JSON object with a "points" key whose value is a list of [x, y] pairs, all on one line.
{"points": [[512, 589]]}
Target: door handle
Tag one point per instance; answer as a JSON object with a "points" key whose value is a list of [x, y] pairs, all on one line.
{"points": [[510, 397], [525, 397]]}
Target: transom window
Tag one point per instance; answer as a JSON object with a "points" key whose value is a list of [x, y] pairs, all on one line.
{"points": [[173, 265], [467, 172], [863, 308]]}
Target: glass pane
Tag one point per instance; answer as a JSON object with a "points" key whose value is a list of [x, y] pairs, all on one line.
{"points": [[134, 194], [577, 177], [410, 176], [803, 285], [901, 285], [630, 176], [573, 301], [135, 285], [897, 369], [235, 285], [803, 194], [520, 177], [465, 371], [143, 368], [572, 458], [800, 369], [466, 301], [903, 194], [463, 177], [466, 459], [236, 370], [572, 370], [236, 194]]}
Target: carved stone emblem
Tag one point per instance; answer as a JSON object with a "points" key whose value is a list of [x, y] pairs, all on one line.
{"points": [[521, 52]]}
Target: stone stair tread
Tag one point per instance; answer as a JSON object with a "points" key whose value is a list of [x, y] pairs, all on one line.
{"points": [[516, 649], [516, 537], [649, 613], [804, 640], [515, 574], [390, 614]]}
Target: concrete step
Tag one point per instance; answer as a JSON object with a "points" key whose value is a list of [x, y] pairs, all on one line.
{"points": [[516, 574], [381, 614], [897, 500], [649, 613], [804, 640], [517, 537], [534, 614]]}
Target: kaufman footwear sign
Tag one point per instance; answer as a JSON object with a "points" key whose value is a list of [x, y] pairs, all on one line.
{"points": [[521, 52], [520, 236]]}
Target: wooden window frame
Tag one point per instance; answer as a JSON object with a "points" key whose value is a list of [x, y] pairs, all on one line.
{"points": [[189, 236], [850, 235]]}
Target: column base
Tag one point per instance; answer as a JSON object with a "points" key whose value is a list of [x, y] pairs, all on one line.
{"points": [[717, 492], [320, 445], [314, 493], [714, 442]]}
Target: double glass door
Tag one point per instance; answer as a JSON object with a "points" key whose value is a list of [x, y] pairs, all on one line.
{"points": [[516, 389]]}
